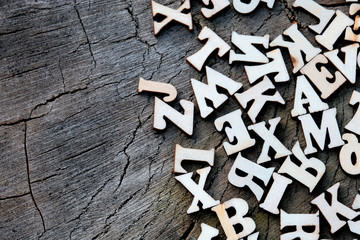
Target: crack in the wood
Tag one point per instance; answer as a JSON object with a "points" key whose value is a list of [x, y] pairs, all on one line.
{"points": [[14, 196], [107, 225], [291, 15], [52, 99], [29, 179], [15, 31], [140, 124], [25, 71], [188, 231], [84, 30], [160, 62], [268, 226], [46, 178], [84, 151], [86, 208], [158, 202], [222, 195], [130, 10], [264, 22]]}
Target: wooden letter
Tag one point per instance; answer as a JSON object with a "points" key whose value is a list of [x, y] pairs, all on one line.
{"points": [[247, 7], [275, 193], [354, 124], [193, 155], [214, 42], [183, 121], [349, 34], [320, 78], [250, 53], [348, 67], [228, 223], [300, 221], [237, 130], [218, 6], [256, 93], [251, 170], [303, 88], [208, 91], [356, 203], [355, 225], [328, 125], [207, 232], [253, 236], [158, 87], [334, 30], [346, 152], [276, 66], [324, 15], [302, 173], [170, 15], [298, 45], [336, 208], [269, 140], [197, 190]]}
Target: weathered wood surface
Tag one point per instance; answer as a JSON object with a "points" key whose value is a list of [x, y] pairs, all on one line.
{"points": [[79, 158]]}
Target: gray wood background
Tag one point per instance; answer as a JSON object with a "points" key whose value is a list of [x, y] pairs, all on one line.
{"points": [[79, 158]]}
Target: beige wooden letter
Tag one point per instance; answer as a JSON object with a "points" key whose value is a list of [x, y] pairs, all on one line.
{"points": [[275, 193], [214, 42], [158, 87], [246, 44], [320, 78], [336, 208], [356, 203], [298, 45], [328, 125], [218, 5], [269, 140], [207, 232], [303, 87], [251, 170], [183, 121], [208, 91], [245, 7], [351, 147], [354, 124], [197, 190], [237, 130], [355, 225], [277, 65], [228, 223], [171, 15], [349, 34], [334, 30], [348, 67], [300, 221], [253, 236], [256, 93], [197, 155], [302, 173], [324, 15]]}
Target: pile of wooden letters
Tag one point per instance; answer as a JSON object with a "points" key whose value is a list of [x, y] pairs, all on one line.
{"points": [[309, 63]]}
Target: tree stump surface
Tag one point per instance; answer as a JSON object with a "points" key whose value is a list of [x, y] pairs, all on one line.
{"points": [[79, 158]]}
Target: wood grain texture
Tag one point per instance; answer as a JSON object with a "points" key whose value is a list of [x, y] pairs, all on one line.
{"points": [[79, 158]]}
